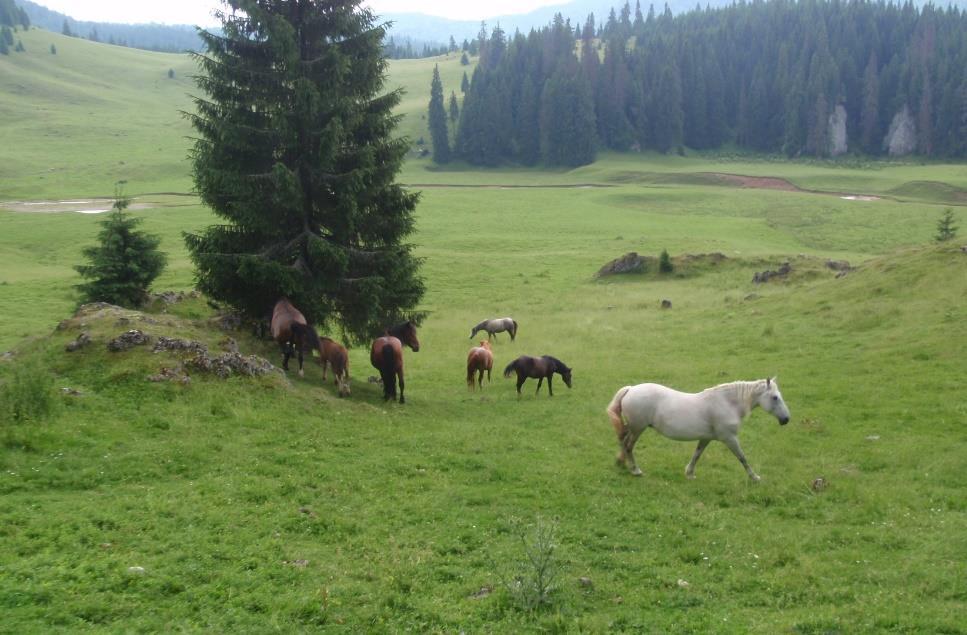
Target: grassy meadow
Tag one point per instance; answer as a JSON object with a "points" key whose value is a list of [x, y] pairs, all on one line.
{"points": [[258, 505]]}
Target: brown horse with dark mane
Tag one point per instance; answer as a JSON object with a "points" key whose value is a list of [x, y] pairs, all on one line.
{"points": [[540, 368], [334, 355], [479, 359], [386, 356], [292, 332]]}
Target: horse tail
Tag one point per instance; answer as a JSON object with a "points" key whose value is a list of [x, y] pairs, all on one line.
{"points": [[513, 334], [387, 370], [304, 336], [614, 413], [510, 368]]}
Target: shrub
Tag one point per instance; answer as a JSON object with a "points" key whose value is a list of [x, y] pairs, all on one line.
{"points": [[533, 583], [665, 262], [946, 230], [28, 395], [171, 73]]}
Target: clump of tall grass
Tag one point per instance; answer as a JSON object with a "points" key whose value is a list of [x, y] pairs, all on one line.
{"points": [[532, 583], [28, 393]]}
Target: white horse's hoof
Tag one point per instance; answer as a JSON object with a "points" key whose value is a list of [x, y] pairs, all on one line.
{"points": [[636, 472], [301, 374], [690, 477], [755, 478]]}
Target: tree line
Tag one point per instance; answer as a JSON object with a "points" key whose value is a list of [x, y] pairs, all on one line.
{"points": [[806, 78]]}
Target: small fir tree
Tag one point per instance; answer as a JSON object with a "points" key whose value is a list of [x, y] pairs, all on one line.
{"points": [[438, 120], [4, 48], [124, 263], [464, 60], [171, 73], [946, 230], [20, 47], [53, 50], [464, 83], [665, 262], [66, 29], [454, 108]]}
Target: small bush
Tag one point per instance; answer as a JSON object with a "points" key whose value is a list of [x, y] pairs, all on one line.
{"points": [[665, 262], [946, 230], [533, 582], [28, 395]]}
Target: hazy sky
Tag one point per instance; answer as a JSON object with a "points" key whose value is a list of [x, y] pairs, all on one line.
{"points": [[199, 11]]}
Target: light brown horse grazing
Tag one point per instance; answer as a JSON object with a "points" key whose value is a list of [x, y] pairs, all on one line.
{"points": [[479, 359], [294, 335], [386, 355], [334, 355]]}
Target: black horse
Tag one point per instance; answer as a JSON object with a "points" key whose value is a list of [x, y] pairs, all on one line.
{"points": [[539, 368]]}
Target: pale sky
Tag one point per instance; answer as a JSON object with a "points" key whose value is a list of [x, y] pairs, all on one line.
{"points": [[199, 11]]}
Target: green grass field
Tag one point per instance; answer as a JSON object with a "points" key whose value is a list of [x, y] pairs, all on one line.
{"points": [[269, 504]]}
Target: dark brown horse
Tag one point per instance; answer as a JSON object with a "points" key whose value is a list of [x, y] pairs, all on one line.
{"points": [[540, 368], [334, 355], [294, 335], [479, 359], [386, 356]]}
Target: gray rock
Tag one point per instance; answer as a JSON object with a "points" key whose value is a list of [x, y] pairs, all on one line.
{"points": [[837, 131], [628, 263], [902, 137], [128, 340]]}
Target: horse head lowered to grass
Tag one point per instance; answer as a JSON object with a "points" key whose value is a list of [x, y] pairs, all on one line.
{"points": [[715, 414]]}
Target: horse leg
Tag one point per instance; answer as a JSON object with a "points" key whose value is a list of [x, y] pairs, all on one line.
{"points": [[690, 468], [520, 382], [733, 443], [286, 354], [325, 363], [540, 381], [301, 374], [399, 374], [631, 438], [550, 389], [480, 378]]}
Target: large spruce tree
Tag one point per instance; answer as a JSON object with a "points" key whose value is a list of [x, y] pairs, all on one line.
{"points": [[296, 154], [437, 118]]}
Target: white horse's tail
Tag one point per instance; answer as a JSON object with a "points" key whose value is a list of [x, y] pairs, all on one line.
{"points": [[614, 413]]}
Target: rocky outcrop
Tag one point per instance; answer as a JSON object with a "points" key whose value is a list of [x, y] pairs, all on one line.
{"points": [[837, 131], [902, 137], [628, 263], [766, 276]]}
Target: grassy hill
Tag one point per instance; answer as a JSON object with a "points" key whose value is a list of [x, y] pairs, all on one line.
{"points": [[251, 504]]}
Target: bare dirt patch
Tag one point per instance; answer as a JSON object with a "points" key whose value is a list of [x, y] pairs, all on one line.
{"points": [[757, 182], [80, 205]]}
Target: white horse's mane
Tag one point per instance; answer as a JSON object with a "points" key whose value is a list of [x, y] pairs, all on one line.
{"points": [[745, 392]]}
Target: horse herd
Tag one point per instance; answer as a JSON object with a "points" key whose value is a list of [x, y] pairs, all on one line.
{"points": [[714, 414]]}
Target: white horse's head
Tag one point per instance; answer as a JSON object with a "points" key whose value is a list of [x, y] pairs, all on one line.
{"points": [[771, 401]]}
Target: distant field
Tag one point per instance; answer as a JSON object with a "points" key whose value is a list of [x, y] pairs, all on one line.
{"points": [[252, 505]]}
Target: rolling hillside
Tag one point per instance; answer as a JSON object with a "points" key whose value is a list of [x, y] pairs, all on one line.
{"points": [[141, 492]]}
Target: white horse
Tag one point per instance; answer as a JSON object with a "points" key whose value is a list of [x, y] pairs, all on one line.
{"points": [[715, 414], [496, 325]]}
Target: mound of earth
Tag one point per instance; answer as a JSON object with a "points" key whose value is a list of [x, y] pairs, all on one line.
{"points": [[108, 326]]}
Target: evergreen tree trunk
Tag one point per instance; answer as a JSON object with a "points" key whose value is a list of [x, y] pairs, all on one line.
{"points": [[295, 154]]}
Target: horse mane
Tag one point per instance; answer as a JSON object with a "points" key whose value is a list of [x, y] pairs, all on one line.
{"points": [[558, 364], [745, 391], [398, 329]]}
